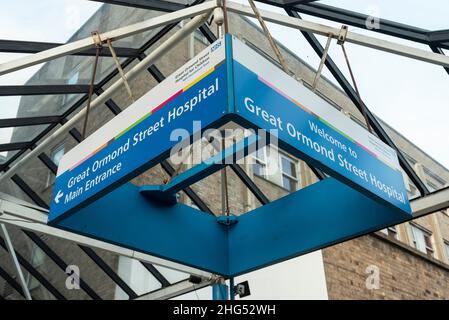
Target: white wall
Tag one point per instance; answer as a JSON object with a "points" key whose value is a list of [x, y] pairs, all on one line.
{"points": [[300, 278]]}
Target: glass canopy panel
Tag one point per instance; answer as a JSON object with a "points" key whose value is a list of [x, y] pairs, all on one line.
{"points": [[431, 15], [109, 17], [20, 134], [36, 106], [36, 20], [6, 155]]}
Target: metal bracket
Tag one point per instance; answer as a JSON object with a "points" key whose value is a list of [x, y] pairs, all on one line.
{"points": [[227, 220], [342, 35], [97, 39]]}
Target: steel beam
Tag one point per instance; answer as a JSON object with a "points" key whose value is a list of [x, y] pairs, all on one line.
{"points": [[108, 270], [155, 273], [210, 36], [175, 290], [48, 163], [188, 191], [35, 90], [60, 262], [117, 34], [351, 37], [29, 191], [12, 253], [115, 109], [11, 281], [349, 90], [359, 20], [438, 37], [15, 46], [296, 2], [29, 121], [436, 201], [157, 5], [440, 51], [13, 146], [36, 274], [250, 184]]}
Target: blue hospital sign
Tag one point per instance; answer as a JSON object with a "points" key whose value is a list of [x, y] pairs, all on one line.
{"points": [[314, 130], [227, 81]]}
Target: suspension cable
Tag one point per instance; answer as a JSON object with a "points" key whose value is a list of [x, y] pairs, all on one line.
{"points": [[341, 42], [98, 47], [269, 37], [120, 70]]}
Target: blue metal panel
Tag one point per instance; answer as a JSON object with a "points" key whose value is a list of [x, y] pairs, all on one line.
{"points": [[325, 213], [178, 233]]}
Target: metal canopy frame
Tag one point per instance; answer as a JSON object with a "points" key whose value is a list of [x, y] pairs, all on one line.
{"points": [[425, 204]]}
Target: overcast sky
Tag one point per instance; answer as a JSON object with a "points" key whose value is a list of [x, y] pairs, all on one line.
{"points": [[411, 96]]}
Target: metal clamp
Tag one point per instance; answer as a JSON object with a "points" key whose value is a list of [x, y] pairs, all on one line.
{"points": [[342, 35], [97, 39]]}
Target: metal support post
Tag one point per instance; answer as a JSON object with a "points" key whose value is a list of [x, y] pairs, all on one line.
{"points": [[16, 262], [220, 290]]}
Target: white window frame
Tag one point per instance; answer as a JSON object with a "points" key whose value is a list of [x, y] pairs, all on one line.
{"points": [[281, 167], [421, 245], [391, 231], [53, 153], [262, 162]]}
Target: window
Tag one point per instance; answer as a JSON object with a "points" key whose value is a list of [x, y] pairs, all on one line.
{"points": [[391, 232], [260, 162], [432, 187], [289, 176], [422, 240], [412, 192], [56, 156]]}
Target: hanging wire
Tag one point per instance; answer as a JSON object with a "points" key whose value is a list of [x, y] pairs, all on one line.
{"points": [[120, 70], [98, 48], [224, 183], [269, 37], [225, 17], [341, 42], [323, 60]]}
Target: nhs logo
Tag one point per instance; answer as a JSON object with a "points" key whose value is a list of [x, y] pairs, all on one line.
{"points": [[215, 46]]}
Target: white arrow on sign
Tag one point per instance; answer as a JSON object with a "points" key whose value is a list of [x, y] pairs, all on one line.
{"points": [[58, 196]]}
